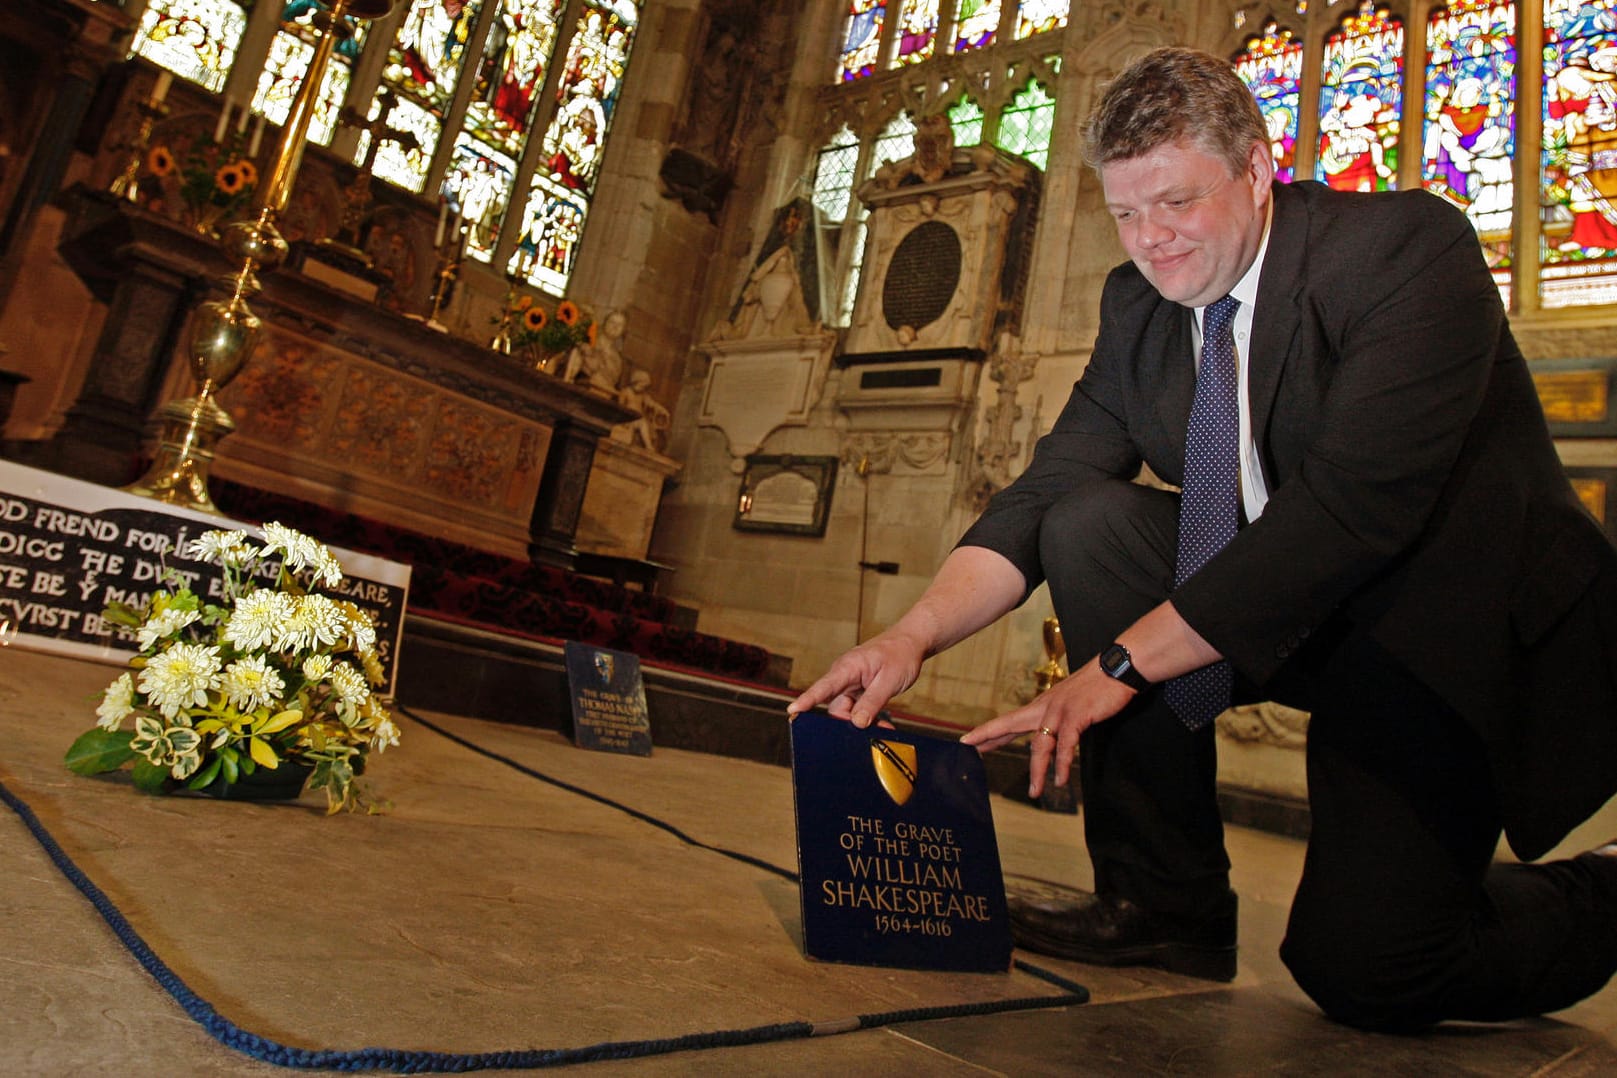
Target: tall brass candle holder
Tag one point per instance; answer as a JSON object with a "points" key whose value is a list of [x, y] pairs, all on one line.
{"points": [[451, 255], [127, 184], [223, 332]]}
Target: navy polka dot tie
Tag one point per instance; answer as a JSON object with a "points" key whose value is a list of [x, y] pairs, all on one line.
{"points": [[1211, 494]]}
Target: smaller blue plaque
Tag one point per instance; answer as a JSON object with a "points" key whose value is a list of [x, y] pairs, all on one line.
{"points": [[896, 850], [609, 700]]}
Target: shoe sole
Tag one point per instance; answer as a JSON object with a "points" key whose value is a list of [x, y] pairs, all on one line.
{"points": [[1204, 963]]}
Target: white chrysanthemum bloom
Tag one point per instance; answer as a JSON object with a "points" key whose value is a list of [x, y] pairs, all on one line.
{"points": [[297, 550], [226, 548], [116, 703], [251, 683], [315, 621], [360, 630], [349, 685], [384, 734], [164, 625], [181, 677], [316, 668], [327, 569], [258, 618]]}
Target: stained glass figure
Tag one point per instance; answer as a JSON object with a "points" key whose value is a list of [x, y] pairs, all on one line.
{"points": [[1361, 98], [1026, 123], [1039, 16], [976, 24], [917, 32], [478, 187], [511, 72], [1271, 65], [553, 224], [1469, 137], [289, 56], [195, 39], [966, 118], [587, 93], [862, 40], [422, 68], [1579, 180]]}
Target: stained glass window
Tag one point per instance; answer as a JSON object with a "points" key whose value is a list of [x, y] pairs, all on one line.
{"points": [[1039, 16], [1026, 123], [966, 118], [289, 56], [1468, 141], [195, 39], [863, 38], [976, 24], [917, 32], [570, 159], [1579, 239], [1361, 97], [1272, 68], [423, 67], [511, 72]]}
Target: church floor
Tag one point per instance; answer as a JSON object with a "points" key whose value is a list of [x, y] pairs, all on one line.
{"points": [[491, 911]]}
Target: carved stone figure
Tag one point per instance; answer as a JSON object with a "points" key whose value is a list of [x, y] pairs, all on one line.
{"points": [[652, 427], [600, 365]]}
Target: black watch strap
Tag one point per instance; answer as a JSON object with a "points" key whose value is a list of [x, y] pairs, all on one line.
{"points": [[1118, 664]]}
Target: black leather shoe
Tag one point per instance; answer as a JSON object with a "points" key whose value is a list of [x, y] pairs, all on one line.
{"points": [[1105, 930]]}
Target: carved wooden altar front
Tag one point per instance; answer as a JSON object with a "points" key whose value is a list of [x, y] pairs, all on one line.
{"points": [[345, 404]]}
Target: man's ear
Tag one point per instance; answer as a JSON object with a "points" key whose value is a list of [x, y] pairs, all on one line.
{"points": [[1260, 163]]}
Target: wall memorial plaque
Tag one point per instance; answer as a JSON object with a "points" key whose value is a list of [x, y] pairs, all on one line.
{"points": [[896, 849], [609, 700], [68, 548]]}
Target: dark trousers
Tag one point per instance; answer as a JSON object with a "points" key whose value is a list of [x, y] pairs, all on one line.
{"points": [[1401, 918]]}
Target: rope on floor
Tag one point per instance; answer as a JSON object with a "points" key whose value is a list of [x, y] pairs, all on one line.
{"points": [[403, 1061]]}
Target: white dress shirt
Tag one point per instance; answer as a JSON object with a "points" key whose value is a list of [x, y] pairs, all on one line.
{"points": [[1254, 494]]}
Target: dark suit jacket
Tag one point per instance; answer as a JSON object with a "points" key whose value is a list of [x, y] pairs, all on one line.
{"points": [[1414, 489]]}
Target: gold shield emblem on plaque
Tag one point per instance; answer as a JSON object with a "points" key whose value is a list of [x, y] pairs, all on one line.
{"points": [[895, 767]]}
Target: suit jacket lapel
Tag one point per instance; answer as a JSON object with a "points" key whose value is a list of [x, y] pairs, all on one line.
{"points": [[1168, 343], [1277, 317]]}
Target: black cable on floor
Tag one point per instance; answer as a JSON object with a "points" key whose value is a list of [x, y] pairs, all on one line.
{"points": [[405, 1061]]}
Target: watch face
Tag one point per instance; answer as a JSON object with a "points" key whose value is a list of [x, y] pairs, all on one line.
{"points": [[1114, 660]]}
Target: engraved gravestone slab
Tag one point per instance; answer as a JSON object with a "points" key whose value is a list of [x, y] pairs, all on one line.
{"points": [[609, 700], [69, 548], [896, 849]]}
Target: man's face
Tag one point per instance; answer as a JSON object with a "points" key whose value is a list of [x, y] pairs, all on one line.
{"points": [[1191, 227]]}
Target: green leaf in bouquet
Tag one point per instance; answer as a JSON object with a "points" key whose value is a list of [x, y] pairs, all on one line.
{"points": [[99, 750], [149, 777]]}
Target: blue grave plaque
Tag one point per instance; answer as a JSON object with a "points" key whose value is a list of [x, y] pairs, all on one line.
{"points": [[609, 700], [896, 849]]}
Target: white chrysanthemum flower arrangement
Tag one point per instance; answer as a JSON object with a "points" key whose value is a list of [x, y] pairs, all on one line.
{"points": [[277, 678]]}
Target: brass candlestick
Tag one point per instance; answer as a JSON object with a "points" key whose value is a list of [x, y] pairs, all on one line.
{"points": [[450, 257], [127, 185], [222, 333], [505, 331]]}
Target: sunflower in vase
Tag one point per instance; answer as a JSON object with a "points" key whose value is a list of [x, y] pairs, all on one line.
{"points": [[549, 338], [268, 691], [212, 179]]}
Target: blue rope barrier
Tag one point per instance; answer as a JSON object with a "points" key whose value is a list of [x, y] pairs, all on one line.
{"points": [[405, 1061]]}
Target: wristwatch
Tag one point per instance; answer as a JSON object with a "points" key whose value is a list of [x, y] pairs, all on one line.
{"points": [[1118, 664]]}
